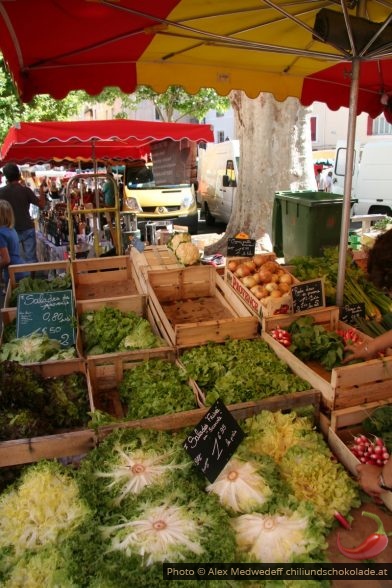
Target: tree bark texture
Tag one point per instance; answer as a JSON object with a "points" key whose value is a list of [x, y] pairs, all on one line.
{"points": [[275, 156]]}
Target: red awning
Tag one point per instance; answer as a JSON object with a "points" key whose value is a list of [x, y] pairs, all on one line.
{"points": [[111, 140]]}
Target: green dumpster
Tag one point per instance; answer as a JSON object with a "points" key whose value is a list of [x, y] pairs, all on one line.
{"points": [[305, 222]]}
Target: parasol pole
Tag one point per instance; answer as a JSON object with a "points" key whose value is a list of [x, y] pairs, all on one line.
{"points": [[348, 178], [96, 223]]}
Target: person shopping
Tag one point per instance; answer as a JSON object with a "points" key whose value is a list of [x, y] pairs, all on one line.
{"points": [[374, 480], [20, 198], [369, 349], [9, 242]]}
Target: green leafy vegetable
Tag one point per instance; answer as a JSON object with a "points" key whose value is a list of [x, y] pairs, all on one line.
{"points": [[379, 423], [108, 330], [239, 371], [29, 284], [35, 348], [155, 387], [149, 508], [42, 507], [32, 405], [315, 477], [285, 536], [310, 340]]}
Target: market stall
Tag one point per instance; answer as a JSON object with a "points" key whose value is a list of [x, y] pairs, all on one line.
{"points": [[155, 387], [181, 55], [110, 142]]}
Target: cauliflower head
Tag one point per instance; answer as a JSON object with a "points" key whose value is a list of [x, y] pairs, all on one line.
{"points": [[188, 253], [178, 238]]}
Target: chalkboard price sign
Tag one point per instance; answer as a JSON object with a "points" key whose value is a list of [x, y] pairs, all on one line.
{"points": [[51, 313], [240, 247], [350, 312], [214, 440], [308, 295]]}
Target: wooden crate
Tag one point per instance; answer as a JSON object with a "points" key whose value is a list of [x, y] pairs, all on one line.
{"points": [[105, 373], [194, 305], [45, 270], [256, 306], [103, 277], [134, 303], [344, 386], [244, 410], [68, 444], [155, 257], [345, 424]]}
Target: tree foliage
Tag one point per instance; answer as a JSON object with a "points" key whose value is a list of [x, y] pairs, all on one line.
{"points": [[175, 103], [41, 108], [171, 106]]}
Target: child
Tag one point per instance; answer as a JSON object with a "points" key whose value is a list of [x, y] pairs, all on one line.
{"points": [[9, 241]]}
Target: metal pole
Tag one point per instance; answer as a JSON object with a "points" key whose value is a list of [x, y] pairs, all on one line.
{"points": [[352, 119]]}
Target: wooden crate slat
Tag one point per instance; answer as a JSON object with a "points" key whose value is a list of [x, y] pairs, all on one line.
{"points": [[347, 417], [152, 258], [178, 284], [328, 317], [240, 411], [187, 335], [362, 394], [23, 451], [356, 374], [103, 277], [137, 304]]}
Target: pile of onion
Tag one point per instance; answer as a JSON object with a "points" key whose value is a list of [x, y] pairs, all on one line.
{"points": [[266, 279]]}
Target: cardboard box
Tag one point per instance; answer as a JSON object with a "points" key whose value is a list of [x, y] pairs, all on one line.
{"points": [[194, 305], [258, 307], [344, 386]]}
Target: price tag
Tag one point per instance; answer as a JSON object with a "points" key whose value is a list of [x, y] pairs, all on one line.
{"points": [[308, 295], [350, 312], [241, 247], [214, 440], [51, 313]]}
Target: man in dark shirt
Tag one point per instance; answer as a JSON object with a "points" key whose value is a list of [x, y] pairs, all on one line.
{"points": [[20, 197]]}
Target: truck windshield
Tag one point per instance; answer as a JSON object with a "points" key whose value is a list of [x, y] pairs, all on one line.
{"points": [[138, 175]]}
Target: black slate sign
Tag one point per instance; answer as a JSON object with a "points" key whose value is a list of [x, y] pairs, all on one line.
{"points": [[214, 440], [240, 247], [47, 312], [350, 312], [308, 295]]}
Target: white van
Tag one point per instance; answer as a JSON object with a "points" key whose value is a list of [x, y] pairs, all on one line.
{"points": [[217, 179], [372, 177]]}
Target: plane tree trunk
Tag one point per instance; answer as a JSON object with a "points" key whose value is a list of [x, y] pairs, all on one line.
{"points": [[275, 155]]}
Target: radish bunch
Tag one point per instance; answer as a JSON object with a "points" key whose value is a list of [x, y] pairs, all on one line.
{"points": [[370, 452]]}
